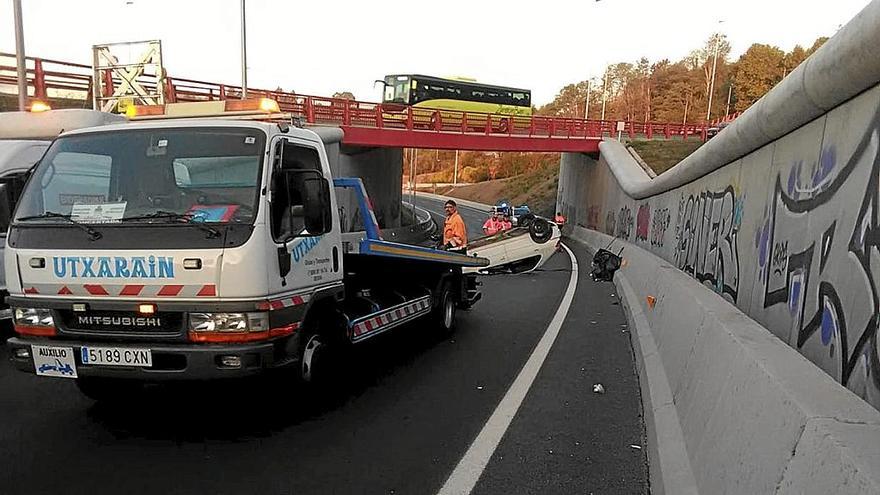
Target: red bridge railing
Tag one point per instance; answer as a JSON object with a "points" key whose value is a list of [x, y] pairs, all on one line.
{"points": [[49, 78]]}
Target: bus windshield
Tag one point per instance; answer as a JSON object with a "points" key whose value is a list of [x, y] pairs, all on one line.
{"points": [[163, 175], [397, 89]]}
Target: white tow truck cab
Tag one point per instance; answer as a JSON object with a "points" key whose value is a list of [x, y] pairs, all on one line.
{"points": [[202, 248]]}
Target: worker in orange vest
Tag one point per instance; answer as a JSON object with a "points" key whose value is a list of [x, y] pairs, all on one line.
{"points": [[493, 224], [559, 219], [454, 232]]}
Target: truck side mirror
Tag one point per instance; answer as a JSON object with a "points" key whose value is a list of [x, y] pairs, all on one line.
{"points": [[316, 205], [5, 206]]}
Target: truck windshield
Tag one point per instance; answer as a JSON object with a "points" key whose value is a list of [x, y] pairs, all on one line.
{"points": [[161, 175]]}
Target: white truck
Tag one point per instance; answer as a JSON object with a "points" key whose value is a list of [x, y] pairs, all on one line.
{"points": [[203, 248]]}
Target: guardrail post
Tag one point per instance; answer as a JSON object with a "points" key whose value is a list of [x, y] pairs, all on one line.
{"points": [[649, 130], [39, 80], [532, 126], [438, 121], [551, 129], [108, 84], [685, 132], [632, 131], [464, 123], [703, 132], [666, 130], [346, 114], [310, 110], [488, 124], [222, 92], [170, 90], [410, 125], [378, 112]]}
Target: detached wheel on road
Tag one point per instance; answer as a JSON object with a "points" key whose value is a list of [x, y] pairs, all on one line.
{"points": [[444, 313], [108, 389], [540, 230]]}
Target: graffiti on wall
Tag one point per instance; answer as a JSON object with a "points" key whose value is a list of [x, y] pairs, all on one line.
{"points": [[705, 239], [593, 214], [818, 262], [610, 223], [643, 222], [659, 224], [624, 223]]}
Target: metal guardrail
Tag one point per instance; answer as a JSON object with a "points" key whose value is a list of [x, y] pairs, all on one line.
{"points": [[57, 79]]}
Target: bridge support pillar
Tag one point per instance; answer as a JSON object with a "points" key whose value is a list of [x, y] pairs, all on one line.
{"points": [[571, 190], [379, 168]]}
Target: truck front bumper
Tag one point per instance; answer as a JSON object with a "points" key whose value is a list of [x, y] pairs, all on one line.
{"points": [[171, 361]]}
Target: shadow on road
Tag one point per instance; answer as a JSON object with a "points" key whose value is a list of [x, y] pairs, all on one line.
{"points": [[241, 409]]}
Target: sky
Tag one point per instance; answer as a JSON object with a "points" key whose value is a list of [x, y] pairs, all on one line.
{"points": [[325, 46]]}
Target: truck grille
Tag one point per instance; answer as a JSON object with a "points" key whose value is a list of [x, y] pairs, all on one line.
{"points": [[122, 322]]}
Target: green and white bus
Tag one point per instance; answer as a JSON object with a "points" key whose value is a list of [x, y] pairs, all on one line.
{"points": [[456, 95]]}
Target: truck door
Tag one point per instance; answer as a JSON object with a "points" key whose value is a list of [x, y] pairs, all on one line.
{"points": [[299, 202]]}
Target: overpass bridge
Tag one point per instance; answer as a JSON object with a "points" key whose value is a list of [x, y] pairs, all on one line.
{"points": [[365, 124]]}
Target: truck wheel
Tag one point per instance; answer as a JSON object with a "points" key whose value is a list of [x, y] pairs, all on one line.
{"points": [[540, 230], [444, 313], [107, 389], [311, 361]]}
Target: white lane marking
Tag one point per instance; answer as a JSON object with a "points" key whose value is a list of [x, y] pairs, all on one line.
{"points": [[469, 469]]}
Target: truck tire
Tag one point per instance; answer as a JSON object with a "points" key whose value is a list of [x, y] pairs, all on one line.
{"points": [[540, 230], [314, 351], [108, 389], [444, 314]]}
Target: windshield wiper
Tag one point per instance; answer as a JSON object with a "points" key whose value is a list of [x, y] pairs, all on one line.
{"points": [[94, 235], [187, 217]]}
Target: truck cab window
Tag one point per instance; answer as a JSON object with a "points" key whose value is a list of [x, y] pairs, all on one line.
{"points": [[287, 204]]}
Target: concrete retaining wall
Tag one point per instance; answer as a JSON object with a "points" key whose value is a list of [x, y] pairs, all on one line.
{"points": [[730, 408], [779, 215]]}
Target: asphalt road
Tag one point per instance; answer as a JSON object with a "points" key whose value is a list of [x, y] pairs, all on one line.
{"points": [[411, 406]]}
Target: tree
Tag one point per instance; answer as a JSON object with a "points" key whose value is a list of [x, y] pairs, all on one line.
{"points": [[345, 95], [757, 71]]}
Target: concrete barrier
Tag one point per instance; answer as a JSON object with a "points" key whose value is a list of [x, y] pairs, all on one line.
{"points": [[730, 408]]}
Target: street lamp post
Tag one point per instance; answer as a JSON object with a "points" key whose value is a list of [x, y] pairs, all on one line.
{"points": [[604, 92], [243, 53], [712, 81], [587, 106], [19, 56]]}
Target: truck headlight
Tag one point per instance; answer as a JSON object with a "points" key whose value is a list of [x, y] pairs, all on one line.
{"points": [[33, 321], [34, 317], [229, 322], [228, 327]]}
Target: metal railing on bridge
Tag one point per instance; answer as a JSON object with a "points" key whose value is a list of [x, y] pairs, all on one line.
{"points": [[51, 79]]}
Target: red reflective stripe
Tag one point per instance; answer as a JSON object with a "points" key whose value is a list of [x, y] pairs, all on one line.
{"points": [[369, 324], [170, 290], [31, 290], [64, 291], [208, 290], [131, 290], [96, 290], [264, 305], [276, 304], [297, 300]]}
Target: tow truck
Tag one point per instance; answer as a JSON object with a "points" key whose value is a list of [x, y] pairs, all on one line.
{"points": [[181, 246]]}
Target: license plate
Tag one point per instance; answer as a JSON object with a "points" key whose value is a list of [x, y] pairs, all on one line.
{"points": [[117, 356], [54, 361]]}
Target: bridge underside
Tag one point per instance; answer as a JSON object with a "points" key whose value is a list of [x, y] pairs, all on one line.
{"points": [[403, 138]]}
